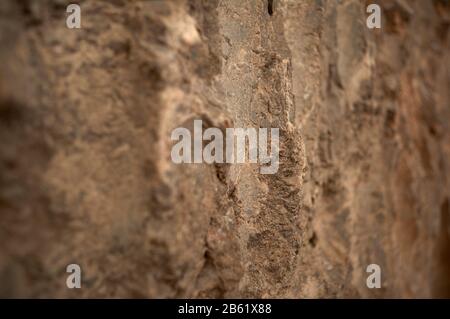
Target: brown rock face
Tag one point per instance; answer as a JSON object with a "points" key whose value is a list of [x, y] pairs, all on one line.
{"points": [[86, 175]]}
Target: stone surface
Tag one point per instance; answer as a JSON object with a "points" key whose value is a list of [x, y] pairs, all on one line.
{"points": [[85, 169]]}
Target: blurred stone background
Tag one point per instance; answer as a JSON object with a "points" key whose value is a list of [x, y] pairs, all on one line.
{"points": [[85, 170]]}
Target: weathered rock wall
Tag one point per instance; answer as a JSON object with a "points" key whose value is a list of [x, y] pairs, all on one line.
{"points": [[86, 176]]}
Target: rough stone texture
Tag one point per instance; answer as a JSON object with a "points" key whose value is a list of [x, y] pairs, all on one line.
{"points": [[85, 169]]}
